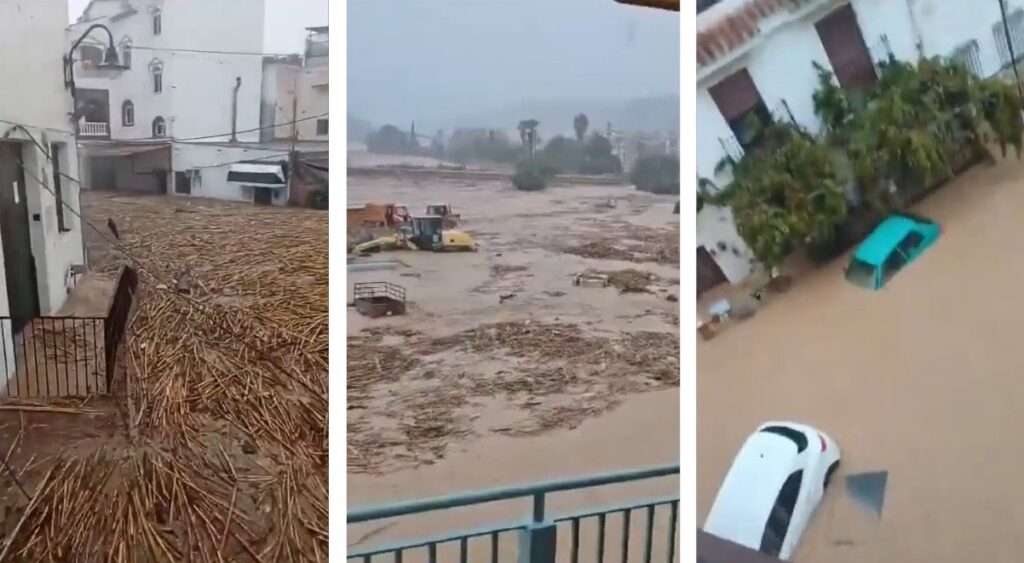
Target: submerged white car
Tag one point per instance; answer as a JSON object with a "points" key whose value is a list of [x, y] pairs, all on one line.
{"points": [[773, 488]]}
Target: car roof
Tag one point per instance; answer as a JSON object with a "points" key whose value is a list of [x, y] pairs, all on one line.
{"points": [[751, 487], [879, 244]]}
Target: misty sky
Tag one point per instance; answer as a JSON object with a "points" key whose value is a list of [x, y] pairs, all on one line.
{"points": [[410, 59], [286, 22]]}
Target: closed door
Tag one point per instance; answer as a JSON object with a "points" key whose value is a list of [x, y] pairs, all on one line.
{"points": [[19, 266], [709, 274], [847, 52]]}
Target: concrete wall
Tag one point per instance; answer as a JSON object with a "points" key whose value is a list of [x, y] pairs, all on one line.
{"points": [[214, 161], [313, 101]]}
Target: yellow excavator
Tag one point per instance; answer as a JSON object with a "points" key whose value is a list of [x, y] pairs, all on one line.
{"points": [[425, 232]]}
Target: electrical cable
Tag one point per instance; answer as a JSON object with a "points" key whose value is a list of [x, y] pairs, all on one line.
{"points": [[192, 303]]}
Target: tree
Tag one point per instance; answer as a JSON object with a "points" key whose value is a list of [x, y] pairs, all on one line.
{"points": [[531, 175], [528, 134], [564, 154], [580, 123], [785, 194], [388, 140], [598, 157], [656, 173]]}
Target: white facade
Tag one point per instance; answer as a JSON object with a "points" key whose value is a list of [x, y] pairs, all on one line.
{"points": [[779, 56], [207, 55], [39, 101], [297, 90]]}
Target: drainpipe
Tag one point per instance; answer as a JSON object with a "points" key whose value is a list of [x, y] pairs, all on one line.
{"points": [[234, 109]]}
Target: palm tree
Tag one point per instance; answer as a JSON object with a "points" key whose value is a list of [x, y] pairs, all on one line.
{"points": [[528, 133], [580, 123]]}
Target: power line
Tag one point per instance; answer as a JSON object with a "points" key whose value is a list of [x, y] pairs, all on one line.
{"points": [[188, 300], [213, 52]]}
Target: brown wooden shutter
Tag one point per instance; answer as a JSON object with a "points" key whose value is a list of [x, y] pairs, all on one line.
{"points": [[846, 50], [735, 95]]}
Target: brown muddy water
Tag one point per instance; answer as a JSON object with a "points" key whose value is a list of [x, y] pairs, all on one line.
{"points": [[923, 379]]}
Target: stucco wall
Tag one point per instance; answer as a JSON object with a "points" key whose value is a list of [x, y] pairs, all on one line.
{"points": [[214, 162], [39, 100], [780, 59]]}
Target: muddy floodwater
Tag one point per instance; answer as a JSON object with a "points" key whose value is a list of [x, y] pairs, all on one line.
{"points": [[502, 371], [923, 379]]}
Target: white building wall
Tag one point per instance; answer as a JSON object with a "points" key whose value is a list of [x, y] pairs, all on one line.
{"points": [[779, 60], [40, 102], [213, 162]]}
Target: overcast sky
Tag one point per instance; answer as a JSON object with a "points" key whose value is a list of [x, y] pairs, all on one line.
{"points": [[415, 58], [285, 27]]}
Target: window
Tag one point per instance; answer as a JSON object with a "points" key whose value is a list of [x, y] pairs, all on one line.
{"points": [[847, 52], [126, 52], [159, 127], [91, 56], [778, 521], [321, 127], [796, 436], [158, 24], [910, 242], [742, 107], [860, 273], [968, 55], [58, 187], [127, 113], [156, 68], [893, 264], [1015, 22]]}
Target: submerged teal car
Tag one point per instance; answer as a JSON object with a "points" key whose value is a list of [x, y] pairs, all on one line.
{"points": [[895, 242]]}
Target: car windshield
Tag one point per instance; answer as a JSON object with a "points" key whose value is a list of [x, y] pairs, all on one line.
{"points": [[861, 273]]}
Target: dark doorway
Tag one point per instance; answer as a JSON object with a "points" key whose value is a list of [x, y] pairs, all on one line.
{"points": [[19, 265], [263, 196], [847, 53], [709, 274], [103, 173]]}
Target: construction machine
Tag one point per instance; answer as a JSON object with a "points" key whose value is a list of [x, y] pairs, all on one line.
{"points": [[425, 232], [373, 220], [451, 220]]}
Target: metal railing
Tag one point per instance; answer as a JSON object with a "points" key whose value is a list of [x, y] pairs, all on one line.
{"points": [[65, 356], [53, 356], [536, 537], [373, 290], [93, 129]]}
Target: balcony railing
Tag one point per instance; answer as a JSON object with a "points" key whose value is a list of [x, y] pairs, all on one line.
{"points": [[93, 129]]}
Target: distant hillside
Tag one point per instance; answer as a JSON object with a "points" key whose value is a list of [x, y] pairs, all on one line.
{"points": [[640, 114]]}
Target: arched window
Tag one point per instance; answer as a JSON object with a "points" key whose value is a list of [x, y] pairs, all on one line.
{"points": [[158, 24], [156, 68], [126, 52], [127, 113], [159, 127]]}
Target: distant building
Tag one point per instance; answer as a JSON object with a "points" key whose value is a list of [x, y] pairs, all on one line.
{"points": [[296, 89], [185, 117], [40, 237]]}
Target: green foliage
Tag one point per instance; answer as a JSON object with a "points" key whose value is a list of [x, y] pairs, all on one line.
{"points": [[564, 154], [784, 195], [466, 145], [658, 173], [392, 140], [532, 175], [598, 157]]}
